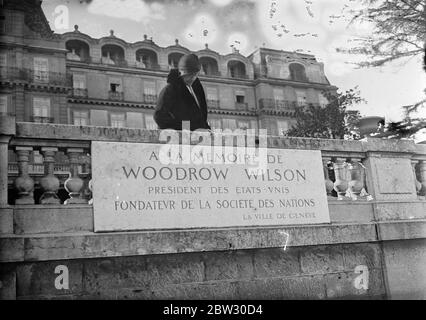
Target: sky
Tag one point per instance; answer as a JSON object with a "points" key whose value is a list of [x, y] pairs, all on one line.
{"points": [[315, 27]]}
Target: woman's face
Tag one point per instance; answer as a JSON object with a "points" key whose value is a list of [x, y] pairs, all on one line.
{"points": [[189, 78]]}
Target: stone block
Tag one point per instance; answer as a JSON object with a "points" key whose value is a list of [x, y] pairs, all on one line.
{"points": [[7, 282], [142, 271], [342, 285], [351, 211], [399, 230], [305, 287], [213, 290], [53, 219], [367, 254], [228, 265], [321, 259], [390, 178], [276, 262], [400, 210], [405, 268], [6, 221], [11, 249], [39, 248], [38, 279]]}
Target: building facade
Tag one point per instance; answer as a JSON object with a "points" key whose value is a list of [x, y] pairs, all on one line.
{"points": [[75, 79]]}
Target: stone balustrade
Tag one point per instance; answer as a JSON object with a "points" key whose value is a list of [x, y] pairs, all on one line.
{"points": [[346, 172]]}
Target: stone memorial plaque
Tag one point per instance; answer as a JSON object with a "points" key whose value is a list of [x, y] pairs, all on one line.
{"points": [[133, 189]]}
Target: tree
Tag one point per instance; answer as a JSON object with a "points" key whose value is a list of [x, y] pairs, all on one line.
{"points": [[332, 121], [399, 30]]}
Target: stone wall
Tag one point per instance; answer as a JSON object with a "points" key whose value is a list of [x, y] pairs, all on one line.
{"points": [[372, 249], [311, 272]]}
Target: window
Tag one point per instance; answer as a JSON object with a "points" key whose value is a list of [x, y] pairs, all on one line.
{"points": [[301, 98], [41, 69], [278, 94], [149, 92], [282, 127], [115, 85], [3, 103], [149, 88], [240, 96], [253, 125], [41, 107], [297, 72], [134, 120], [150, 123], [242, 124], [215, 123], [211, 93], [79, 81], [81, 118], [117, 120], [229, 124]]}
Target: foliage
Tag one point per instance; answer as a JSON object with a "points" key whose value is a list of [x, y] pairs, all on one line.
{"points": [[332, 121], [399, 30]]}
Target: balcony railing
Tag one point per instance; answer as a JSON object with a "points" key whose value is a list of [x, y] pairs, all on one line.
{"points": [[242, 106], [150, 98], [148, 66], [342, 160], [117, 62], [277, 105], [36, 76], [79, 92], [38, 168], [213, 103], [116, 95], [40, 119], [238, 76], [211, 74]]}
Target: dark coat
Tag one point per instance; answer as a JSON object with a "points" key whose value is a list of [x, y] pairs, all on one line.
{"points": [[176, 104]]}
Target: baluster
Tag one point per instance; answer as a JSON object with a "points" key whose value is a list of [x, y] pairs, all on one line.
{"points": [[49, 183], [356, 183], [90, 186], [422, 170], [4, 145], [329, 185], [74, 183], [341, 184], [416, 182], [24, 184]]}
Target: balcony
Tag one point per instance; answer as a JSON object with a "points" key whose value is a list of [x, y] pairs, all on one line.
{"points": [[214, 104], [116, 95], [79, 92], [238, 76], [150, 98], [211, 74], [148, 66], [241, 106], [40, 119], [277, 105], [116, 62], [36, 77]]}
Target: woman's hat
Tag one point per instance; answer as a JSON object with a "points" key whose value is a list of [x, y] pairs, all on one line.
{"points": [[189, 63]]}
